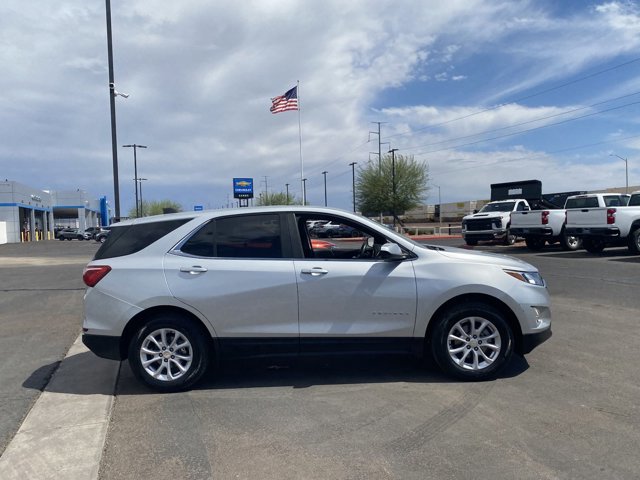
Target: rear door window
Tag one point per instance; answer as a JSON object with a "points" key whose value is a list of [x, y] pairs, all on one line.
{"points": [[242, 236]]}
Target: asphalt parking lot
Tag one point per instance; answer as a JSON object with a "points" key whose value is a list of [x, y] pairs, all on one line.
{"points": [[569, 410]]}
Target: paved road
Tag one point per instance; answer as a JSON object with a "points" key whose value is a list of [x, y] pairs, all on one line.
{"points": [[41, 293], [570, 410]]}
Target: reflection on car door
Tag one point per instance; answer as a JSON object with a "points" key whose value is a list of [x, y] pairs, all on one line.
{"points": [[249, 298], [347, 305]]}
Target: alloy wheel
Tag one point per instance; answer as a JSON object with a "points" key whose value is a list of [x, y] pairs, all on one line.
{"points": [[474, 343], [166, 354]]}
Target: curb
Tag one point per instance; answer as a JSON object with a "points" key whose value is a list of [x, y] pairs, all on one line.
{"points": [[64, 433]]}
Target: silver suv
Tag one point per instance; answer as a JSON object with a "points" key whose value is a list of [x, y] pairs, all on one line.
{"points": [[172, 292]]}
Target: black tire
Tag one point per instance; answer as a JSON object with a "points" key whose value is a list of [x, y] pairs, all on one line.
{"points": [[633, 242], [102, 239], [593, 245], [534, 243], [177, 328], [61, 239], [499, 349], [471, 243], [80, 237], [569, 242], [509, 239]]}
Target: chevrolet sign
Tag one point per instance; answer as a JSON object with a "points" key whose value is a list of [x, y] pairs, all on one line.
{"points": [[243, 188]]}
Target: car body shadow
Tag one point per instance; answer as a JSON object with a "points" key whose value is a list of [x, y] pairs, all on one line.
{"points": [[310, 372]]}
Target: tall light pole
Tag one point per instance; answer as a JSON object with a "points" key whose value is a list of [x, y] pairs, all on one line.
{"points": [[393, 183], [112, 103], [325, 187], [286, 185], [141, 204], [135, 170], [304, 191], [353, 176], [439, 204], [626, 171]]}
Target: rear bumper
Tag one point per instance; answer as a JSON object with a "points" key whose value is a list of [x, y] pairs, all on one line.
{"points": [[532, 340], [104, 346], [593, 231], [532, 231]]}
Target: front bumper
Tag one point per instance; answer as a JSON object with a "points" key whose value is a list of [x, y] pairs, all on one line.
{"points": [[484, 234], [532, 340]]}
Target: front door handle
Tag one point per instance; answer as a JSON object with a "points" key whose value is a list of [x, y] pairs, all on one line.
{"points": [[194, 270], [315, 271]]}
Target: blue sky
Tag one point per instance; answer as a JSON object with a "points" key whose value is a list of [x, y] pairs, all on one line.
{"points": [[482, 91]]}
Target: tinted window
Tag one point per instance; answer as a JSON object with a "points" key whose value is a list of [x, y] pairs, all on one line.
{"points": [[612, 201], [634, 201], [582, 202], [246, 236], [498, 207], [129, 239]]}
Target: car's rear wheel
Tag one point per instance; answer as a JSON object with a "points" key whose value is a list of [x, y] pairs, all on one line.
{"points": [[569, 242], [534, 243], [593, 245], [634, 241], [169, 353], [472, 341]]}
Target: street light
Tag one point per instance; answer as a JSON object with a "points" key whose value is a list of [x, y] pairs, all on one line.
{"points": [[135, 168], [353, 176], [439, 204], [626, 171], [286, 185], [325, 187], [141, 204]]}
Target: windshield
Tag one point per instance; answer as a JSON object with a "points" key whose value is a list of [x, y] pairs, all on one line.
{"points": [[498, 207]]}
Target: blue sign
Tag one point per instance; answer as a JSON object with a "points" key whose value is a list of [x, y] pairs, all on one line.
{"points": [[243, 188], [198, 208]]}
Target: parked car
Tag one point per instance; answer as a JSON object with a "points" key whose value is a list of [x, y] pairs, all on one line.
{"points": [[102, 235], [73, 233], [172, 292], [92, 231], [604, 220], [334, 230], [493, 222]]}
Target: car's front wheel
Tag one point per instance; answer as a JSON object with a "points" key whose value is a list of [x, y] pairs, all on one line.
{"points": [[169, 353], [472, 341]]}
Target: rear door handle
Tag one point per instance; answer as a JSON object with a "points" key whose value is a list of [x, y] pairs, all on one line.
{"points": [[194, 270], [315, 271]]}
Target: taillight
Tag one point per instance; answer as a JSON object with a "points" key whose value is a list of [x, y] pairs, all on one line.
{"points": [[611, 216], [545, 217], [94, 273]]}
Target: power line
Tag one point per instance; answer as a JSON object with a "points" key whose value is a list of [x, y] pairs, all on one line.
{"points": [[527, 97]]}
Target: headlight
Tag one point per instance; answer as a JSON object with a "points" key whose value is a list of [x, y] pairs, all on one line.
{"points": [[533, 278]]}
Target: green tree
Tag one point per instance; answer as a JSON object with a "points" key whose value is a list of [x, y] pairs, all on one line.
{"points": [[279, 198], [375, 185], [155, 207]]}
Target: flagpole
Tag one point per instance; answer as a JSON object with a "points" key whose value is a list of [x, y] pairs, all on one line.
{"points": [[302, 185]]}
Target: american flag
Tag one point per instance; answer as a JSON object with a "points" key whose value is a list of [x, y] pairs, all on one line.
{"points": [[288, 101]]}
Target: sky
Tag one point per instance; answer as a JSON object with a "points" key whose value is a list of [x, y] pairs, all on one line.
{"points": [[480, 91]]}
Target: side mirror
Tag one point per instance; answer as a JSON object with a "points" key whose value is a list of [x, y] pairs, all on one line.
{"points": [[475, 211], [391, 251]]}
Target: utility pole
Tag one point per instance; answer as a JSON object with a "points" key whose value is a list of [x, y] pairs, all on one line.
{"points": [[266, 187], [353, 176], [287, 187], [140, 180], [304, 191], [626, 171], [135, 170], [439, 205], [393, 184], [379, 144], [325, 187]]}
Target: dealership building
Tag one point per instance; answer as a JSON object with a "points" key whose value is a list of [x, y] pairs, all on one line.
{"points": [[30, 214]]}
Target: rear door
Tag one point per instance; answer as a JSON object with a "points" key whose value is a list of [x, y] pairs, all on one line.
{"points": [[238, 272]]}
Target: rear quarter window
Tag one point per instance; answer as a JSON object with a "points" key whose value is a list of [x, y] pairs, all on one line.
{"points": [[130, 239], [634, 201]]}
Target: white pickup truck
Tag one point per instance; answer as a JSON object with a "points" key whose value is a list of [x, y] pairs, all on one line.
{"points": [[539, 227], [493, 222], [603, 220]]}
